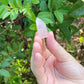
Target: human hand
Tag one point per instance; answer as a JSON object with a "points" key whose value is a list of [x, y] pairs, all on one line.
{"points": [[53, 65]]}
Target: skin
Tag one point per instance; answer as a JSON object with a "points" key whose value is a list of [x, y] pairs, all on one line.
{"points": [[51, 64]]}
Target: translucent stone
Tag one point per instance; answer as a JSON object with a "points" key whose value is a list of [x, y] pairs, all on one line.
{"points": [[41, 28]]}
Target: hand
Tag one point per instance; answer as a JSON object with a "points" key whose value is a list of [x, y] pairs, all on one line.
{"points": [[53, 65]]}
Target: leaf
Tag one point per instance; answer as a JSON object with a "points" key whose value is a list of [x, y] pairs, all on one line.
{"points": [[43, 6], [4, 72], [28, 33], [74, 29], [19, 3], [4, 64], [6, 15], [77, 9], [27, 3], [21, 45], [30, 15], [20, 55], [31, 47], [55, 4], [82, 0], [3, 11], [81, 39], [13, 14], [33, 27], [15, 3], [64, 29], [46, 17], [5, 2], [59, 15], [12, 3], [17, 27], [10, 49], [35, 1]]}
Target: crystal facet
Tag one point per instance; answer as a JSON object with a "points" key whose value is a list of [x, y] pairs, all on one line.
{"points": [[41, 28]]}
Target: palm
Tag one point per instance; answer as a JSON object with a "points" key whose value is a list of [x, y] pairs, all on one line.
{"points": [[50, 69]]}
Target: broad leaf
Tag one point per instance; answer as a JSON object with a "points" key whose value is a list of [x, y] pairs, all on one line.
{"points": [[4, 72], [28, 33], [33, 27], [35, 1], [77, 9], [27, 3], [5, 2], [4, 64], [46, 17], [55, 4], [59, 15], [30, 15], [3, 12], [43, 6], [19, 3], [6, 15], [64, 29], [13, 14]]}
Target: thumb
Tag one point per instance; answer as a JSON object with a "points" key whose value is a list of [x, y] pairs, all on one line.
{"points": [[65, 63], [60, 54]]}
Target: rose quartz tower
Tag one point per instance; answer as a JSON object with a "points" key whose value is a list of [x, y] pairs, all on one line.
{"points": [[41, 28]]}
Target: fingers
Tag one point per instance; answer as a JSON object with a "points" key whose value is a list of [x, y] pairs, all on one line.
{"points": [[60, 54], [37, 48], [44, 51], [37, 62], [65, 63]]}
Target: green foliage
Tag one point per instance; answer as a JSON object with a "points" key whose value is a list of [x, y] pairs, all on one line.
{"points": [[18, 28], [77, 9], [4, 73]]}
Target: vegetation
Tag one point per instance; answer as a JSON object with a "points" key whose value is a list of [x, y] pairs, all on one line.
{"points": [[18, 28]]}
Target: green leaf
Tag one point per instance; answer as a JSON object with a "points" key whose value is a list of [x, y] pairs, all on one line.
{"points": [[31, 47], [19, 3], [35, 1], [59, 15], [15, 3], [20, 55], [28, 33], [74, 29], [21, 45], [64, 29], [12, 3], [4, 64], [5, 2], [3, 11], [6, 15], [10, 49], [13, 14], [46, 17], [27, 3], [4, 72], [43, 6], [55, 4], [17, 27], [33, 27], [77, 9], [30, 15]]}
